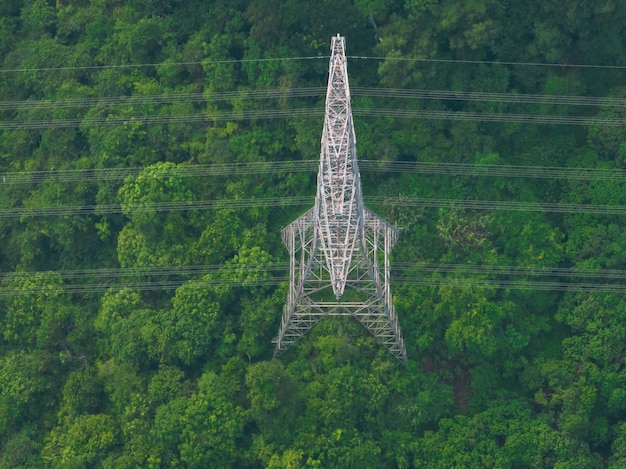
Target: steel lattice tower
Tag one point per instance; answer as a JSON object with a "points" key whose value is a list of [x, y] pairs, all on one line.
{"points": [[339, 249]]}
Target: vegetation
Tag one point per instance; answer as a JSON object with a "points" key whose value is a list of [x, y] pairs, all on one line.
{"points": [[113, 108]]}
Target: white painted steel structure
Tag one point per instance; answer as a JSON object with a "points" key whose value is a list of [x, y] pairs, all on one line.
{"points": [[339, 248]]}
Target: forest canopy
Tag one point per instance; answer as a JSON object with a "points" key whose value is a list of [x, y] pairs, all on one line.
{"points": [[150, 154]]}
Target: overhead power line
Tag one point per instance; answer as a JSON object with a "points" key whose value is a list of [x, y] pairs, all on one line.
{"points": [[175, 206], [160, 64], [491, 170], [493, 117], [204, 283], [143, 100], [290, 93], [96, 67], [502, 205], [490, 62], [172, 98], [510, 270], [183, 170], [151, 271], [228, 270], [514, 285], [483, 97], [275, 167], [308, 113], [159, 119], [39, 211]]}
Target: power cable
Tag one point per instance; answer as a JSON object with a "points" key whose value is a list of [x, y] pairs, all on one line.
{"points": [[154, 271], [282, 267], [493, 117], [406, 281], [173, 98], [488, 62], [159, 119], [290, 93], [473, 170], [516, 285], [183, 170], [161, 64], [275, 167], [321, 57], [308, 113], [489, 97], [501, 205], [183, 205]]}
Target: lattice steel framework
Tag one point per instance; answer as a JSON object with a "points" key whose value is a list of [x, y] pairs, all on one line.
{"points": [[339, 248]]}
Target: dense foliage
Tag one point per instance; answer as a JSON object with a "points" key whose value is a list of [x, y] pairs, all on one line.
{"points": [[184, 377]]}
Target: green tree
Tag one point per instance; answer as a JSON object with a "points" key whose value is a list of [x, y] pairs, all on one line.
{"points": [[83, 393], [80, 442], [212, 427], [275, 401], [23, 390]]}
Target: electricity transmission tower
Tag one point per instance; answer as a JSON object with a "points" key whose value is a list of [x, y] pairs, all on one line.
{"points": [[339, 249]]}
